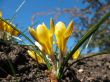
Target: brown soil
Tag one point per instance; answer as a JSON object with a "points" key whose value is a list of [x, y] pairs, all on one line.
{"points": [[96, 69]]}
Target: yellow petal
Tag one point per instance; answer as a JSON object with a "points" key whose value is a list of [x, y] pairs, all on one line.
{"points": [[35, 56], [9, 29], [52, 27], [0, 13], [52, 30], [1, 22], [69, 30], [4, 26], [76, 54], [32, 54], [1, 25], [67, 34], [33, 33], [42, 34], [40, 59], [44, 39], [60, 29]]}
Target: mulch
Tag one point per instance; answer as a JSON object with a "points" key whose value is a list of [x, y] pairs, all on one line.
{"points": [[95, 69]]}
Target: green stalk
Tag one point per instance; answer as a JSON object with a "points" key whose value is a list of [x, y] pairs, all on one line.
{"points": [[81, 41]]}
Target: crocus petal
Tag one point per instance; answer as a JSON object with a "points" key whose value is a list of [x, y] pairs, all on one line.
{"points": [[69, 30], [67, 34], [42, 34], [4, 26], [1, 22], [44, 38], [60, 28], [40, 59], [76, 54], [52, 30], [52, 27], [1, 25], [32, 54], [9, 29], [33, 33], [35, 56], [0, 13]]}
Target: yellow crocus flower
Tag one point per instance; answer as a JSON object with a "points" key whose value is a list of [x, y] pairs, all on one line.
{"points": [[7, 28], [62, 34], [35, 56], [76, 54], [44, 36]]}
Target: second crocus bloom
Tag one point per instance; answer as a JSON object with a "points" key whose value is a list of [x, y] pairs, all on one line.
{"points": [[62, 35]]}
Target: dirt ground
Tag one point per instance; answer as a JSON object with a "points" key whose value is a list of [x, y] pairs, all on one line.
{"points": [[96, 69]]}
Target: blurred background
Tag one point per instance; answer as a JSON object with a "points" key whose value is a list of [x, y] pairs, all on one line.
{"points": [[85, 13]]}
